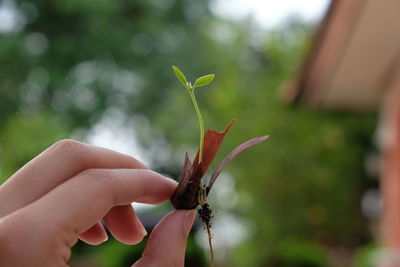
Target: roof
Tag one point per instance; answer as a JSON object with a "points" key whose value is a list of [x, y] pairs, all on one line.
{"points": [[353, 57]]}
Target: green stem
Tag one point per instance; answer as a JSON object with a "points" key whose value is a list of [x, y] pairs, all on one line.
{"points": [[196, 107]]}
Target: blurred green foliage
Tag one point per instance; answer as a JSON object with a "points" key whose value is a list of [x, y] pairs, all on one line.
{"points": [[73, 61]]}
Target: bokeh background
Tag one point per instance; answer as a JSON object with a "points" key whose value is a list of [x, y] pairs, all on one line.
{"points": [[99, 71]]}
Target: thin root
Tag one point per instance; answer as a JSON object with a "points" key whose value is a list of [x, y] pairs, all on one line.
{"points": [[205, 216]]}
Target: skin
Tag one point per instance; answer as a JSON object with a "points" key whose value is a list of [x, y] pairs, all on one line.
{"points": [[63, 193]]}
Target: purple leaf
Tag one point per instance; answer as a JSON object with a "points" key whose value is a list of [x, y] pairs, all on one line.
{"points": [[183, 185], [233, 154]]}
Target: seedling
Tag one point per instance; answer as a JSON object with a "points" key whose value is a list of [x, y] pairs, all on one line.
{"points": [[191, 191]]}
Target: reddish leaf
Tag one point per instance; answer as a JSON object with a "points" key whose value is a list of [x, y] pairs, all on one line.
{"points": [[212, 142], [186, 194], [183, 183], [233, 154]]}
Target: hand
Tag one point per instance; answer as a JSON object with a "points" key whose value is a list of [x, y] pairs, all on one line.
{"points": [[63, 193]]}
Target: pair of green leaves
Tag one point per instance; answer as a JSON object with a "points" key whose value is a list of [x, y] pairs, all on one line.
{"points": [[201, 81]]}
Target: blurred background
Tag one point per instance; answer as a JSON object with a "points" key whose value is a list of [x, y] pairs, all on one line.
{"points": [[99, 71]]}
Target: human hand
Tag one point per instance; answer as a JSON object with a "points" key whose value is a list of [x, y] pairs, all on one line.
{"points": [[63, 193]]}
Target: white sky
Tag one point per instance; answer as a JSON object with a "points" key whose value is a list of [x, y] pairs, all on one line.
{"points": [[269, 13]]}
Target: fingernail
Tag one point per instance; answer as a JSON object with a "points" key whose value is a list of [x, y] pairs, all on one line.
{"points": [[188, 221], [142, 230]]}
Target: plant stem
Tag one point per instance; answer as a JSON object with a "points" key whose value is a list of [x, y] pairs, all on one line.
{"points": [[201, 123]]}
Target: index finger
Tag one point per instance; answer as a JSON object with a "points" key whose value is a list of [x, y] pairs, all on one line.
{"points": [[54, 166], [77, 204]]}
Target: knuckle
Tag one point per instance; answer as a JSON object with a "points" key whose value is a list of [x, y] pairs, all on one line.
{"points": [[101, 180], [69, 145], [70, 148], [99, 176]]}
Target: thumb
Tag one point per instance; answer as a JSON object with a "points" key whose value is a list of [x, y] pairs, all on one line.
{"points": [[167, 243]]}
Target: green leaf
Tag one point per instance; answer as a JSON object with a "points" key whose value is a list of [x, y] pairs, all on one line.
{"points": [[204, 80], [181, 77]]}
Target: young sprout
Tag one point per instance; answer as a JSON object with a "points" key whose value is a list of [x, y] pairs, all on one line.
{"points": [[201, 81], [191, 191]]}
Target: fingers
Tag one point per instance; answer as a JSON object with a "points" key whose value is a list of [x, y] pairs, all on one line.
{"points": [[124, 225], [167, 243], [76, 205], [54, 166], [95, 235]]}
